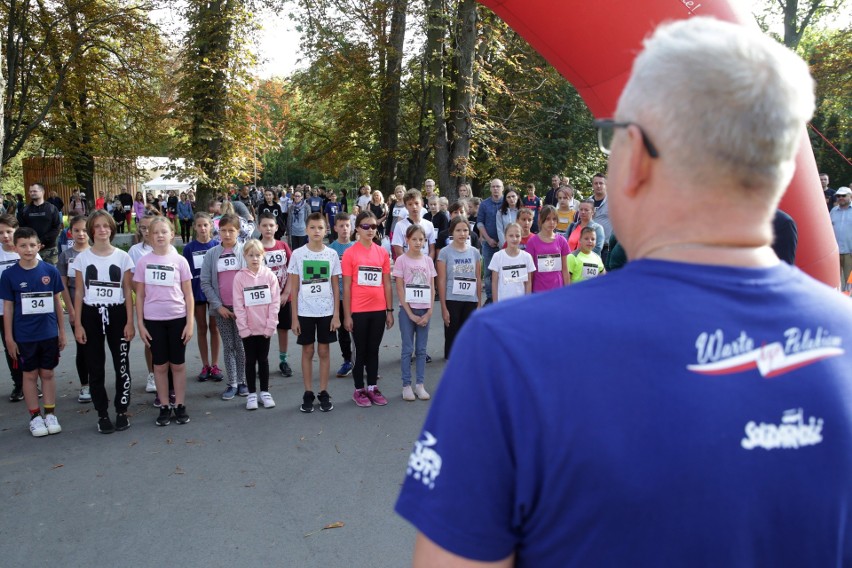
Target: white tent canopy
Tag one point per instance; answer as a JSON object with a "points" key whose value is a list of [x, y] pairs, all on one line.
{"points": [[171, 184], [163, 172]]}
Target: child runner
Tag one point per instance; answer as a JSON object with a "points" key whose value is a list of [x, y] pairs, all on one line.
{"points": [[459, 281], [165, 310], [9, 257], [80, 243], [508, 213], [367, 304], [397, 210], [314, 273], [510, 268], [585, 263], [343, 228], [137, 251], [415, 274], [221, 264], [564, 212], [194, 252], [257, 300], [33, 327], [414, 205], [103, 307], [549, 251], [278, 255]]}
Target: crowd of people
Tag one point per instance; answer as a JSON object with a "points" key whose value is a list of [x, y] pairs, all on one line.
{"points": [[261, 262]]}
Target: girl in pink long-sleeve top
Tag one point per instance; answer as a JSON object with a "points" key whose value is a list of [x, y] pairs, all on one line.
{"points": [[256, 309]]}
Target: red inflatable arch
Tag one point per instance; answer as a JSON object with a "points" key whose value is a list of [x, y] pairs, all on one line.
{"points": [[593, 44]]}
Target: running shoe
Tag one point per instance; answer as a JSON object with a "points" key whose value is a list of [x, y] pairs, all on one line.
{"points": [[251, 401], [428, 358], [216, 373], [37, 426], [157, 403], [242, 390], [421, 392], [204, 375], [360, 397], [181, 417], [52, 424], [105, 425], [164, 419], [150, 385], [121, 422], [285, 369], [266, 400], [345, 369], [376, 396], [408, 393], [229, 393], [325, 401], [85, 394], [17, 395], [307, 402]]}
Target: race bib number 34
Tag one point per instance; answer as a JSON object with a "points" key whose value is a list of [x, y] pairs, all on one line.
{"points": [[36, 303], [369, 276], [159, 275]]}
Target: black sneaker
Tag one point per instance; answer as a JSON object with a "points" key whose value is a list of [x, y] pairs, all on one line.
{"points": [[164, 419], [180, 414], [285, 369], [121, 422], [325, 402], [308, 402], [105, 425], [17, 395]]}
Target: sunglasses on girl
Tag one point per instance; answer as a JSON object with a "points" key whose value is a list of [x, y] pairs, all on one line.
{"points": [[367, 227]]}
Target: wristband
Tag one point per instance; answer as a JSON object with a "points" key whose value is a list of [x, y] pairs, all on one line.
{"points": [[389, 310]]}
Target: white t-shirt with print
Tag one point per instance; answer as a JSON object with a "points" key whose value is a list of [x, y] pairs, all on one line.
{"points": [[101, 274], [315, 269]]}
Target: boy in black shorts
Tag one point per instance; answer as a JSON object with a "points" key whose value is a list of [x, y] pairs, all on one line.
{"points": [[32, 310]]}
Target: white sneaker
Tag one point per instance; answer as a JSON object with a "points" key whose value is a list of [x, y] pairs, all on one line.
{"points": [[150, 386], [251, 401], [52, 423], [407, 393], [266, 400], [85, 395], [421, 393], [37, 427]]}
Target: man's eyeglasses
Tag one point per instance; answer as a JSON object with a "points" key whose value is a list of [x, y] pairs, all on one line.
{"points": [[606, 132], [366, 227]]}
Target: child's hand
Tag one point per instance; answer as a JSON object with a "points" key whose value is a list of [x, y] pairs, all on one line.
{"points": [[143, 333], [80, 334], [445, 313], [62, 340], [296, 328], [335, 323], [226, 313], [12, 348], [347, 323], [424, 319], [187, 333], [389, 320], [129, 332]]}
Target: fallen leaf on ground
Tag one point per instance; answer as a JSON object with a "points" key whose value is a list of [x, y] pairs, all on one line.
{"points": [[335, 525], [133, 443], [169, 441], [57, 466], [178, 471], [249, 484]]}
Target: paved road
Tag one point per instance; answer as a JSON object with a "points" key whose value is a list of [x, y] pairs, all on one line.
{"points": [[232, 487]]}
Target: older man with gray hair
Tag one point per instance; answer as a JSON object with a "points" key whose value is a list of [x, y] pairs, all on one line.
{"points": [[718, 430]]}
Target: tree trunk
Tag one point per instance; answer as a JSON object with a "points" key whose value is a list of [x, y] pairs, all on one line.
{"points": [[389, 133], [465, 92], [436, 26], [420, 155]]}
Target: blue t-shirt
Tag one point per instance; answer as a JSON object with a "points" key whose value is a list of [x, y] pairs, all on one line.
{"points": [[38, 287], [705, 420], [196, 261], [331, 209], [340, 249], [315, 204]]}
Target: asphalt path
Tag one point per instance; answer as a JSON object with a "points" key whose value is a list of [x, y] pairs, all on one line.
{"points": [[230, 488]]}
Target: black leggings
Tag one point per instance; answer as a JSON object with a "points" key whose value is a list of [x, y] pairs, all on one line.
{"points": [[459, 312], [112, 320], [257, 354], [185, 225], [367, 331], [14, 369], [80, 360]]}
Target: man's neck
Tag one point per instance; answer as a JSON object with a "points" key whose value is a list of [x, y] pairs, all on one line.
{"points": [[38, 201]]}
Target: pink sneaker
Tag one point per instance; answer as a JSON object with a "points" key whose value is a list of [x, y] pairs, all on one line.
{"points": [[360, 397], [376, 396]]}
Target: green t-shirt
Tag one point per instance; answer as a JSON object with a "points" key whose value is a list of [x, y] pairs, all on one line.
{"points": [[583, 266]]}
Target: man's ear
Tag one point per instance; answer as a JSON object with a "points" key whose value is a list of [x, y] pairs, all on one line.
{"points": [[638, 168]]}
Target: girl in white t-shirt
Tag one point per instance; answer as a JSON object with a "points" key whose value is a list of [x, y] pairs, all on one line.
{"points": [[511, 268], [165, 310], [415, 274], [103, 311]]}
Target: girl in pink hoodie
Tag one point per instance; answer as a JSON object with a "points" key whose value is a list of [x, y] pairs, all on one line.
{"points": [[256, 309]]}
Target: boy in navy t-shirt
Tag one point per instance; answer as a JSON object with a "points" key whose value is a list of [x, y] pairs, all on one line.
{"points": [[33, 312]]}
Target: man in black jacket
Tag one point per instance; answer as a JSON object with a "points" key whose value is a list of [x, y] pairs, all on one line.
{"points": [[45, 220]]}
